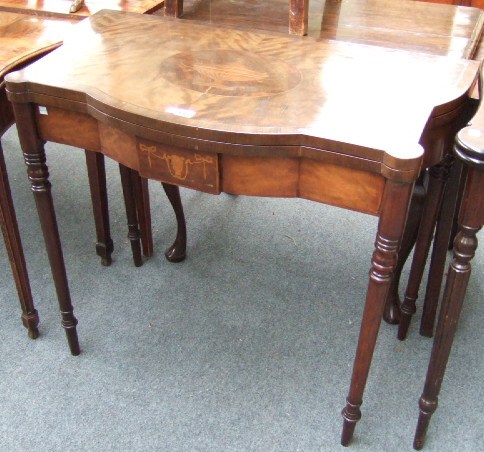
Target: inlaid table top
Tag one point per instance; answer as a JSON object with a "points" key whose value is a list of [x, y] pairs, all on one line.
{"points": [[213, 88]]}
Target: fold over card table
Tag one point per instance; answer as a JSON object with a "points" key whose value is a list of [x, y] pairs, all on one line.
{"points": [[221, 110]]}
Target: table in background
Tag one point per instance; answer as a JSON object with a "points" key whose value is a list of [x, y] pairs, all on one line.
{"points": [[246, 113], [60, 8]]}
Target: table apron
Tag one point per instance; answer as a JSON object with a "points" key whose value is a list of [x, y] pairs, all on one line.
{"points": [[334, 179]]}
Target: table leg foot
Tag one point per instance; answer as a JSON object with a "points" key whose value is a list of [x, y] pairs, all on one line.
{"points": [[69, 323], [351, 415], [427, 408], [31, 322]]}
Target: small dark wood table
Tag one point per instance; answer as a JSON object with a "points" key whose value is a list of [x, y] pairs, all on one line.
{"points": [[220, 110], [469, 149]]}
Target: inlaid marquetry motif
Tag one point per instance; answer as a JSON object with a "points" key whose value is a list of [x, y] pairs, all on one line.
{"points": [[181, 167], [230, 73]]}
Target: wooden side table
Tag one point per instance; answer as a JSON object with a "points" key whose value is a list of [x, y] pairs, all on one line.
{"points": [[255, 114], [469, 149]]}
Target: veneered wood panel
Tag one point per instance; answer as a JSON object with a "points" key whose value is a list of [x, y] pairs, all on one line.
{"points": [[259, 176], [63, 126], [305, 178], [118, 145], [340, 186]]}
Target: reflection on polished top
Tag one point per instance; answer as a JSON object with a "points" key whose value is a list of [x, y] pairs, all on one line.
{"points": [[409, 25], [24, 36], [248, 88], [60, 8]]}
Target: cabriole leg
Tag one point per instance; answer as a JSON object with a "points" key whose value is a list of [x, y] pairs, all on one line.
{"points": [[177, 251]]}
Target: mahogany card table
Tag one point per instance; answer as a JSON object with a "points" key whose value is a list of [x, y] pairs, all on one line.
{"points": [[259, 114]]}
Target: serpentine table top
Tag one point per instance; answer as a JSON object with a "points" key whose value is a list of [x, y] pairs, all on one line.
{"points": [[283, 95], [218, 109]]}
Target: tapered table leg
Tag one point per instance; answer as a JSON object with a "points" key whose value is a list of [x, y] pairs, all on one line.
{"points": [[8, 222], [134, 235], [438, 175], [390, 231], [142, 199], [470, 150], [34, 156], [97, 183], [391, 314], [440, 247], [177, 251]]}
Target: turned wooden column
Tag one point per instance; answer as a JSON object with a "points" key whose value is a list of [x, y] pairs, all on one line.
{"points": [[38, 174], [383, 263]]}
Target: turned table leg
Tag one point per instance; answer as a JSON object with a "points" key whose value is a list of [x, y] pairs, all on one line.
{"points": [[391, 225], [38, 174], [13, 244], [470, 149]]}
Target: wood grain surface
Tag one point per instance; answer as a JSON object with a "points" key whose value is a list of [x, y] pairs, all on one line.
{"points": [[199, 83], [408, 25]]}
